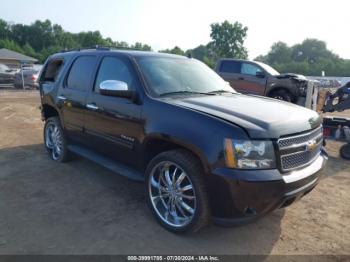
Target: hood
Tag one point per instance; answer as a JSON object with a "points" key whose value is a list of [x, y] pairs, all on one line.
{"points": [[291, 75], [261, 117]]}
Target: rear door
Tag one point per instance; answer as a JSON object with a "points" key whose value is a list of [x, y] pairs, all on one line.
{"points": [[230, 71], [113, 124], [73, 93]]}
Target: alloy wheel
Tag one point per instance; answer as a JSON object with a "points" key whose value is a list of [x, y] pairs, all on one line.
{"points": [[172, 194], [53, 140]]}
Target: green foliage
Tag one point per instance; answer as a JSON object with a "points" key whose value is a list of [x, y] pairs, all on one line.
{"points": [[176, 51], [311, 57], [228, 40], [10, 44], [42, 38], [203, 53]]}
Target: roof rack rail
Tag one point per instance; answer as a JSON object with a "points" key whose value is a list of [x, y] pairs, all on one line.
{"points": [[96, 47], [99, 47]]}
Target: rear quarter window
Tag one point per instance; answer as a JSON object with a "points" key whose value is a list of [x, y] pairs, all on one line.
{"points": [[230, 67], [52, 70]]}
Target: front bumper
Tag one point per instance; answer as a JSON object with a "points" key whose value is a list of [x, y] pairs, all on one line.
{"points": [[241, 196]]}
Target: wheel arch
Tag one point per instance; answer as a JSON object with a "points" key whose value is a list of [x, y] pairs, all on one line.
{"points": [[48, 111], [156, 144], [281, 88]]}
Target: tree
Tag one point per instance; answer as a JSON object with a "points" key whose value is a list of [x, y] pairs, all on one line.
{"points": [[203, 53], [4, 29], [176, 50], [140, 46], [42, 38], [11, 45], [310, 57], [280, 53], [228, 40]]}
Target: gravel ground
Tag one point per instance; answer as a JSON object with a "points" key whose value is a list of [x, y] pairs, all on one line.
{"points": [[82, 208]]}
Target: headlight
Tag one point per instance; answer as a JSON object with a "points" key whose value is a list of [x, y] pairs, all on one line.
{"points": [[249, 154]]}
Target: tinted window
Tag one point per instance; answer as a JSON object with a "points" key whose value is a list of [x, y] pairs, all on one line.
{"points": [[249, 69], [52, 70], [114, 68], [230, 67], [80, 74]]}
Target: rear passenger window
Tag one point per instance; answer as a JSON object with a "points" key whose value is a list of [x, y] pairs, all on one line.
{"points": [[230, 67], [81, 73], [114, 68], [52, 70]]}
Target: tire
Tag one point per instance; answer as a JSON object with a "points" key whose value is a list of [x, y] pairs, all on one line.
{"points": [[189, 210], [55, 141], [283, 95], [345, 151]]}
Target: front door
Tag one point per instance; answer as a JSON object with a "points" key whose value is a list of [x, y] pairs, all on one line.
{"points": [[113, 125], [248, 80]]}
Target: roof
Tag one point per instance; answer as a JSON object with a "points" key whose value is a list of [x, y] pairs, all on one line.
{"points": [[130, 52], [12, 55]]}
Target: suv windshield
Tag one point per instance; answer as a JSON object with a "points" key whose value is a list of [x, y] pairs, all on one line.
{"points": [[181, 76], [268, 69]]}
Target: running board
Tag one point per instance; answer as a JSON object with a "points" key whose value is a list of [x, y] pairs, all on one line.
{"points": [[108, 163]]}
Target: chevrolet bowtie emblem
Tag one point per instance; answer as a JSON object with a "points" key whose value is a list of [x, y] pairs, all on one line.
{"points": [[311, 145]]}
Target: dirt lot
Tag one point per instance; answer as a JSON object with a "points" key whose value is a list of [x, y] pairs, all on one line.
{"points": [[82, 208]]}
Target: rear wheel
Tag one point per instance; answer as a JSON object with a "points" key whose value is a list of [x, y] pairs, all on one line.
{"points": [[345, 151], [176, 192], [282, 95], [55, 141]]}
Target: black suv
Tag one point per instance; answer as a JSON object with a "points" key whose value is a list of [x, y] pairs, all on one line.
{"points": [[252, 77], [203, 151]]}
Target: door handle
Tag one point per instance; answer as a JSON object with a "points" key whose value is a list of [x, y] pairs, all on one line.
{"points": [[63, 98], [240, 78], [92, 106]]}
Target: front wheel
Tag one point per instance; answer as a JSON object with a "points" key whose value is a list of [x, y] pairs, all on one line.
{"points": [[55, 141], [283, 95], [176, 192]]}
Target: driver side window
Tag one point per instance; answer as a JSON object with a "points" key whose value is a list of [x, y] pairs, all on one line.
{"points": [[249, 69], [114, 68]]}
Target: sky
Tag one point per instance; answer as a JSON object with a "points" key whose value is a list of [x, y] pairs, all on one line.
{"points": [[168, 23]]}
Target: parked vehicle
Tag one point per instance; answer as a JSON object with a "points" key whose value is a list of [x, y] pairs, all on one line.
{"points": [[30, 77], [203, 151], [251, 77], [6, 74]]}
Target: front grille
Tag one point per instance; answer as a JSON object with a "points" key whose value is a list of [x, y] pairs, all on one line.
{"points": [[300, 150], [299, 139]]}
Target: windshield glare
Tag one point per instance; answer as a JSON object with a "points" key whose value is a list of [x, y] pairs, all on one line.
{"points": [[171, 75], [268, 69]]}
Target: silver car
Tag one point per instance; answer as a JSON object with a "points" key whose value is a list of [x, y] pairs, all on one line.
{"points": [[7, 74], [30, 77]]}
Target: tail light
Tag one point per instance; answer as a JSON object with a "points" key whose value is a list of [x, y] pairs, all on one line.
{"points": [[34, 77], [326, 132]]}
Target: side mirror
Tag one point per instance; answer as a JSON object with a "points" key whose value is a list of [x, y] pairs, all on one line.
{"points": [[115, 88], [260, 74]]}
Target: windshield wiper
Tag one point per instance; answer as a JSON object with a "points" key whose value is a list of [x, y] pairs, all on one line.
{"points": [[219, 92], [184, 92]]}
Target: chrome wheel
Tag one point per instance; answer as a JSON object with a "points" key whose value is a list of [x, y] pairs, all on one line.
{"points": [[172, 194], [53, 140]]}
